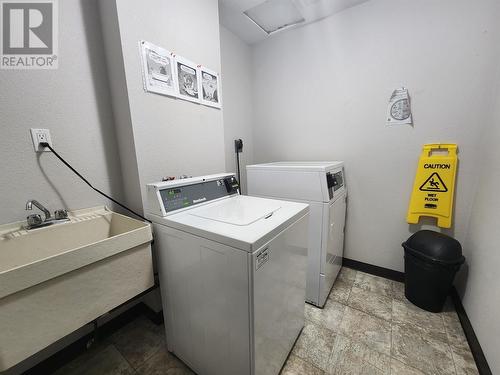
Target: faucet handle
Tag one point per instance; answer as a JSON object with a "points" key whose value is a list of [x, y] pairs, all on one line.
{"points": [[61, 214], [34, 220]]}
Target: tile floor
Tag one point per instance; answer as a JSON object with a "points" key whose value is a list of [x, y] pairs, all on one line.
{"points": [[138, 348], [367, 327]]}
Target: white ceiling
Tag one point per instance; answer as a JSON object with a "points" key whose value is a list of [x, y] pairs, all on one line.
{"points": [[232, 17]]}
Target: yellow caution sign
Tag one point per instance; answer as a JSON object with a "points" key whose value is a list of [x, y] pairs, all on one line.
{"points": [[434, 184]]}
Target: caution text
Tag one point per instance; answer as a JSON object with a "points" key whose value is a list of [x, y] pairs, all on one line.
{"points": [[437, 166]]}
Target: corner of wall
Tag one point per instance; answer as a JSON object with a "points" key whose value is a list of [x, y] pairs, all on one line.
{"points": [[121, 107], [237, 93]]}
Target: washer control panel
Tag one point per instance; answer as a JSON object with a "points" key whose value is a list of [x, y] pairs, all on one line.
{"points": [[178, 197]]}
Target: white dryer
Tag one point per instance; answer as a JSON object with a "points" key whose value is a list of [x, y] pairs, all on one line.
{"points": [[232, 274], [322, 186]]}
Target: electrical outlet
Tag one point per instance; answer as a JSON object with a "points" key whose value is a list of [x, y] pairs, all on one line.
{"points": [[40, 136]]}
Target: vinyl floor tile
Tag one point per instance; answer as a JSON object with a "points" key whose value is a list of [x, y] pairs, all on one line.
{"points": [[139, 340], [407, 314], [164, 363], [454, 331], [367, 329], [421, 352], [399, 368], [340, 291], [398, 290], [347, 275], [315, 345], [329, 317], [297, 366], [352, 357], [374, 284], [464, 362], [102, 360], [370, 303]]}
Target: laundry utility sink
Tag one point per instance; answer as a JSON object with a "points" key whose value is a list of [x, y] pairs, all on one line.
{"points": [[28, 257], [55, 279]]}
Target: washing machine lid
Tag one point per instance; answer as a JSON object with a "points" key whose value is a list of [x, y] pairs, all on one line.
{"points": [[239, 212], [309, 166], [240, 221]]}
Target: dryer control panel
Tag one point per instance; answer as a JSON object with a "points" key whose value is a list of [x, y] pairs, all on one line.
{"points": [[334, 181]]}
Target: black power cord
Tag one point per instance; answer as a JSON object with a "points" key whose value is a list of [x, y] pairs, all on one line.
{"points": [[44, 144]]}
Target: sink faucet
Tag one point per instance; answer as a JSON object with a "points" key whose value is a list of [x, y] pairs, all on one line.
{"points": [[31, 202], [36, 221]]}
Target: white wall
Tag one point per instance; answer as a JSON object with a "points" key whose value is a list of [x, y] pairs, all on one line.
{"points": [[237, 96], [73, 102], [168, 136], [481, 289], [321, 93]]}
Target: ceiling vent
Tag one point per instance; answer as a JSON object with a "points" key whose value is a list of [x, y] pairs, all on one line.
{"points": [[275, 15]]}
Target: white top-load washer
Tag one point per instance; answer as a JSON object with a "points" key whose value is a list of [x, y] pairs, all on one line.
{"points": [[232, 274], [322, 186]]}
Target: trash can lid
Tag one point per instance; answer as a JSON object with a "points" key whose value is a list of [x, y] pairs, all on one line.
{"points": [[436, 246]]}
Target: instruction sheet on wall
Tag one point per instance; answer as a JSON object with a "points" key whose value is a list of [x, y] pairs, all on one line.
{"points": [[157, 69], [399, 108]]}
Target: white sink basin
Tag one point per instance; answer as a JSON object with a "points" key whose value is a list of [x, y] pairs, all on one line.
{"points": [[56, 279], [28, 257]]}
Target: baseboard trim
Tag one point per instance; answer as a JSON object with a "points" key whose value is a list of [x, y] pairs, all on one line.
{"points": [[374, 270], [475, 347]]}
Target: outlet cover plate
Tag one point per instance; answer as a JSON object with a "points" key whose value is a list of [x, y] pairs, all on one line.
{"points": [[39, 136]]}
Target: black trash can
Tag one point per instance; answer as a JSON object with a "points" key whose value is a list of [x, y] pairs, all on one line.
{"points": [[431, 261]]}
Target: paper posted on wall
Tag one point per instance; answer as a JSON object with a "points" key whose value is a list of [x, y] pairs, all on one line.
{"points": [[399, 108], [187, 75], [209, 88], [157, 69]]}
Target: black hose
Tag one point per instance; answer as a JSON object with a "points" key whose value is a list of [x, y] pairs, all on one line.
{"points": [[238, 166]]}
